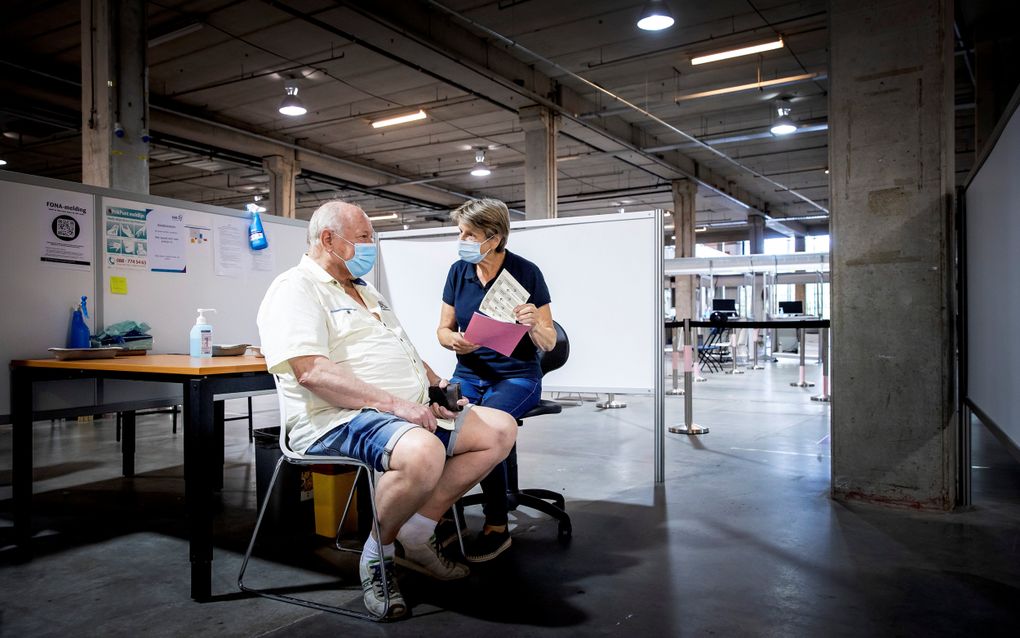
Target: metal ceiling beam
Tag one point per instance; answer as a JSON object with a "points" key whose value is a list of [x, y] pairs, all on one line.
{"points": [[442, 49]]}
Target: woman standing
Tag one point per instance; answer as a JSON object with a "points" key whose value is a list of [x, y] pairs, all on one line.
{"points": [[509, 383]]}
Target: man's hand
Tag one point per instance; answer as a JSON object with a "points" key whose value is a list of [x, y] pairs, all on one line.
{"points": [[460, 345], [415, 413]]}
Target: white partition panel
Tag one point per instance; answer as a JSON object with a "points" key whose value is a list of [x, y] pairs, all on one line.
{"points": [[993, 285], [167, 300], [37, 294], [605, 279]]}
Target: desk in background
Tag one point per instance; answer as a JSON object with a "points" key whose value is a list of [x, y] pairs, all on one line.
{"points": [[202, 380]]}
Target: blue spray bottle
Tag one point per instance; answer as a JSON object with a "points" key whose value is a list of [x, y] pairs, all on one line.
{"points": [[78, 331], [256, 234]]}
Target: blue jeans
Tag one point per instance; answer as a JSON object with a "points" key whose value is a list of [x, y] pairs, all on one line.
{"points": [[514, 396]]}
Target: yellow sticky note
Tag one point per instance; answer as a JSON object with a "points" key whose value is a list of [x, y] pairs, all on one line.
{"points": [[118, 285]]}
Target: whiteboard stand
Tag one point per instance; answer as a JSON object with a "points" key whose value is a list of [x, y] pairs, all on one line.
{"points": [[610, 403]]}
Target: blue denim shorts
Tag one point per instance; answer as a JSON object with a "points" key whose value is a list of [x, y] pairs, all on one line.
{"points": [[371, 436]]}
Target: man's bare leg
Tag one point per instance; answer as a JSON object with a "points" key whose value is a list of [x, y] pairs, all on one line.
{"points": [[485, 439], [416, 465]]}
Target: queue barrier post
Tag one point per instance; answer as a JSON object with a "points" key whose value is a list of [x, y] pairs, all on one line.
{"points": [[689, 427], [802, 383], [823, 346]]}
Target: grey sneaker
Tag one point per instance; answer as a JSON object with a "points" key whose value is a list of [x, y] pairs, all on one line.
{"points": [[376, 595], [426, 558]]}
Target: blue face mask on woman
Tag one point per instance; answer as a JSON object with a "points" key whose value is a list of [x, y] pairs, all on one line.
{"points": [[362, 261], [471, 251]]}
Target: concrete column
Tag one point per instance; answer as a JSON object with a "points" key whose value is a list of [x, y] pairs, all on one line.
{"points": [[282, 169], [799, 290], [756, 233], [115, 90], [891, 158], [540, 127], [684, 193]]}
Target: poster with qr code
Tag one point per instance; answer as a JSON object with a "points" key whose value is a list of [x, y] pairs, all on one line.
{"points": [[67, 231], [127, 238]]}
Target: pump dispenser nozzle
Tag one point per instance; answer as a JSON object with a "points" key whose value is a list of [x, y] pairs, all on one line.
{"points": [[201, 317]]}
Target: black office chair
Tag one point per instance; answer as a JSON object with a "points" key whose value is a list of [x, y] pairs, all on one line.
{"points": [[536, 499]]}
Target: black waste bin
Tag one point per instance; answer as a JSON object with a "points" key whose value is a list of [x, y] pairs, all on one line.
{"points": [[291, 508]]}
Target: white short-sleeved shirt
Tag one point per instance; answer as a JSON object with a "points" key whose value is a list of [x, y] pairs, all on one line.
{"points": [[306, 312]]}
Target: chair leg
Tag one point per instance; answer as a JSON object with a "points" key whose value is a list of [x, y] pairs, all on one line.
{"points": [[251, 433], [174, 416], [347, 508], [364, 615]]}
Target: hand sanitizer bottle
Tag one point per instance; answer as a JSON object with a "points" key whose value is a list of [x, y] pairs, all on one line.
{"points": [[201, 335], [256, 233]]}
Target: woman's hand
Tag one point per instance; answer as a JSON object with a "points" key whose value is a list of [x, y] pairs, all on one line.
{"points": [[443, 413], [527, 315], [460, 345]]}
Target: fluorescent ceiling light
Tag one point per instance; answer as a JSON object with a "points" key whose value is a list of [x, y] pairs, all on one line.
{"points": [[790, 79], [173, 35], [736, 53], [292, 105], [701, 229], [400, 119], [656, 16], [379, 218]]}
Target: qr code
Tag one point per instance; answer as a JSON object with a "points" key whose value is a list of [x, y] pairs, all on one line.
{"points": [[66, 228]]}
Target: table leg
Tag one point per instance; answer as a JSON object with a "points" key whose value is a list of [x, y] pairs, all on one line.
{"points": [[128, 441], [21, 475], [198, 455], [219, 411]]}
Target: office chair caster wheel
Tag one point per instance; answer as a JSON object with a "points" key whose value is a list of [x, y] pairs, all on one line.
{"points": [[565, 533]]}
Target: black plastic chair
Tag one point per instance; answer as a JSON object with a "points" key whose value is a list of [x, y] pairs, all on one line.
{"points": [[545, 501]]}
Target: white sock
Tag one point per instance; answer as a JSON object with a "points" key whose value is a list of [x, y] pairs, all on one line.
{"points": [[371, 550], [417, 530]]}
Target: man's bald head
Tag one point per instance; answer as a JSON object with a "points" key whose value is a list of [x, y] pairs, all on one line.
{"points": [[333, 215]]}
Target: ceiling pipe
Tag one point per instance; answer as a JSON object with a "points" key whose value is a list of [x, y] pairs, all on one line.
{"points": [[719, 154]]}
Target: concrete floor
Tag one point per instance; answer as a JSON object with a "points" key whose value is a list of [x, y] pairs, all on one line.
{"points": [[741, 540]]}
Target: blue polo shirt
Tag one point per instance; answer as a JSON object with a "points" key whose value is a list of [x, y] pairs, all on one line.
{"points": [[464, 292]]}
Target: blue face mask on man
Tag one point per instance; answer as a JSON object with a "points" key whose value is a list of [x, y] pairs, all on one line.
{"points": [[363, 259], [471, 251]]}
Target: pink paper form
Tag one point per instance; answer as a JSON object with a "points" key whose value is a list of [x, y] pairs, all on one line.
{"points": [[501, 336]]}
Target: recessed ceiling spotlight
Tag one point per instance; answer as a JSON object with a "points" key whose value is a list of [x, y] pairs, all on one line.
{"points": [[656, 16], [291, 104]]}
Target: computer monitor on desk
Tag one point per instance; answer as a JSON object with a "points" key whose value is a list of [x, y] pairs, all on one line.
{"points": [[727, 307], [791, 307]]}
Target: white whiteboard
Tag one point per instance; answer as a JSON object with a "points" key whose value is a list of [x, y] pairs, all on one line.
{"points": [[38, 296], [604, 274], [167, 300], [993, 284]]}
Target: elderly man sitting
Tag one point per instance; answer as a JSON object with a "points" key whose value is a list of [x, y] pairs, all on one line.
{"points": [[355, 386]]}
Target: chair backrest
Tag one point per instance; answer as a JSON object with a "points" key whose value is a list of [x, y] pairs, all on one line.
{"points": [[284, 443], [556, 357]]}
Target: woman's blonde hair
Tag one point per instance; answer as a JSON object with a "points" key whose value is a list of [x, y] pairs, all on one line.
{"points": [[490, 216]]}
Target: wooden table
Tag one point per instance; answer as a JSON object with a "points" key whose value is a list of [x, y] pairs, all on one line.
{"points": [[202, 381]]}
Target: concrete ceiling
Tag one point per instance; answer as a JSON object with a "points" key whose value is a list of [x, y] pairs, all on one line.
{"points": [[217, 71]]}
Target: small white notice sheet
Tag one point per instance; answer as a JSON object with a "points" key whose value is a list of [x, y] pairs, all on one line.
{"points": [[505, 294]]}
